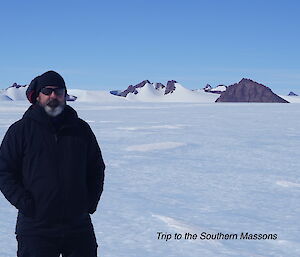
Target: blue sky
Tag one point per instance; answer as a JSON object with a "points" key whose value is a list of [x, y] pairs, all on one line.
{"points": [[105, 45]]}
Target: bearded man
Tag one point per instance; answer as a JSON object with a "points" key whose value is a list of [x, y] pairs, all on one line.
{"points": [[52, 171]]}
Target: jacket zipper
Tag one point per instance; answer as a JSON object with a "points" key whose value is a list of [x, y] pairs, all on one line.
{"points": [[61, 187], [55, 138], [63, 196]]}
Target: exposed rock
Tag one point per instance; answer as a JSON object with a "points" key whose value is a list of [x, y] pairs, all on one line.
{"points": [[143, 83], [207, 88], [292, 94], [159, 86], [116, 92], [170, 87], [132, 89], [248, 90], [15, 85], [71, 97]]}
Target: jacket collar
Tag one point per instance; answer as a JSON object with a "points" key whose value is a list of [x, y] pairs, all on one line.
{"points": [[37, 113]]}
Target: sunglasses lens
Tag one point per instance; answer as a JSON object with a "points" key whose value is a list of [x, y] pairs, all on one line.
{"points": [[57, 91], [46, 91]]}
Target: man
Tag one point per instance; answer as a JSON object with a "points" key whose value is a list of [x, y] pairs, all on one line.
{"points": [[52, 171]]}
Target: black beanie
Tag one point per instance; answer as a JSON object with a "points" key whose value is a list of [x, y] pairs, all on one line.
{"points": [[49, 78]]}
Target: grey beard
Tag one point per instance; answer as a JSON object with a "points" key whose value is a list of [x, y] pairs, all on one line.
{"points": [[54, 107], [54, 111]]}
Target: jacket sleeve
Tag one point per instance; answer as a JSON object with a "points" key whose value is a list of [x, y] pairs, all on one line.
{"points": [[95, 172], [11, 152]]}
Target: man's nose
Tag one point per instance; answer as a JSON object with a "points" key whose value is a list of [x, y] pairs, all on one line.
{"points": [[53, 95]]}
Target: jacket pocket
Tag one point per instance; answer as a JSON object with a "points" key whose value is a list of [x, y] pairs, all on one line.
{"points": [[27, 206]]}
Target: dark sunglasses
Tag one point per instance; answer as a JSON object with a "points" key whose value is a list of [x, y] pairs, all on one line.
{"points": [[49, 90]]}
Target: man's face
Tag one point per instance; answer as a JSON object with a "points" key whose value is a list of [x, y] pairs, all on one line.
{"points": [[52, 99]]}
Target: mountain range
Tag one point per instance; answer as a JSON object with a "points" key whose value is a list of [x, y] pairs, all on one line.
{"points": [[245, 90]]}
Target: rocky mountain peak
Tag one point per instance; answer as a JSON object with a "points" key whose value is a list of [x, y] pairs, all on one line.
{"points": [[132, 89], [248, 90], [170, 88], [159, 85], [292, 94], [245, 80], [143, 83], [15, 85], [207, 88]]}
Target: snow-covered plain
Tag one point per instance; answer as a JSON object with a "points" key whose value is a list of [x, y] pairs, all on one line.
{"points": [[188, 167]]}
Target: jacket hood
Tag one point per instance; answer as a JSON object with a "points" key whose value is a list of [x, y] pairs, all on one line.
{"points": [[37, 113]]}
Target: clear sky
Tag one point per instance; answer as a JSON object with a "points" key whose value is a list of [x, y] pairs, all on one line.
{"points": [[104, 45]]}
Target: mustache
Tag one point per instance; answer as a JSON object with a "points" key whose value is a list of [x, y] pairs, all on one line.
{"points": [[53, 103]]}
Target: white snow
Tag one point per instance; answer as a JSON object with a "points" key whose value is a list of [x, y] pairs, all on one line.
{"points": [[148, 93], [175, 224], [95, 96], [291, 99], [219, 88], [188, 167], [4, 97], [287, 184], [154, 146], [177, 126], [16, 93]]}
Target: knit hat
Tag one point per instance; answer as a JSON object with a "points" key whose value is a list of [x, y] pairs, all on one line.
{"points": [[49, 78]]}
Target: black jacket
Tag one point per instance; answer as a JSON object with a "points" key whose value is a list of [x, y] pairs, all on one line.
{"points": [[52, 171]]}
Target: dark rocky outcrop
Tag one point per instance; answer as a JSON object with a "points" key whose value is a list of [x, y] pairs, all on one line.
{"points": [[248, 90], [292, 94], [15, 85], [207, 88], [115, 92], [71, 98], [143, 83], [170, 88], [159, 86], [132, 89]]}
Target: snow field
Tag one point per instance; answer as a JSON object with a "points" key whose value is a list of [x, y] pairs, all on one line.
{"points": [[180, 168]]}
